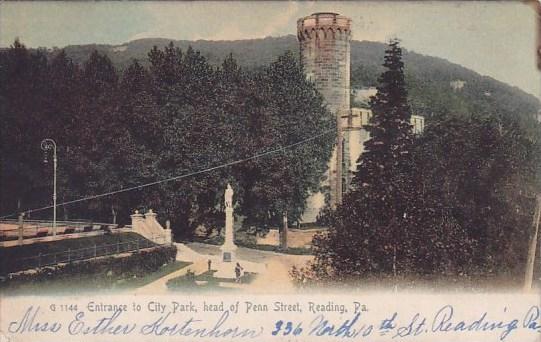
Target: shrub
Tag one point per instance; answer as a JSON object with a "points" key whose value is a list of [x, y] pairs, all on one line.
{"points": [[120, 266]]}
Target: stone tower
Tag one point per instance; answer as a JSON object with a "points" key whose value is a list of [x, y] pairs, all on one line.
{"points": [[324, 40]]}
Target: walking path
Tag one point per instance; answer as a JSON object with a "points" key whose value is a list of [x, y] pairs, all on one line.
{"points": [[184, 253], [159, 286], [295, 237], [272, 268]]}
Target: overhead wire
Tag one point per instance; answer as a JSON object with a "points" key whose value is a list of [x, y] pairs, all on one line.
{"points": [[189, 174]]}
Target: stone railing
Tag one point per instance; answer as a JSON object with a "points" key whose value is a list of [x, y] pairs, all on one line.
{"points": [[147, 226]]}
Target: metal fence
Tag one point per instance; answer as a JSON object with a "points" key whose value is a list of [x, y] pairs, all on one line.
{"points": [[71, 255]]}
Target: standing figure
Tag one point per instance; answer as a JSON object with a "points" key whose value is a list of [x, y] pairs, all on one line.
{"points": [[238, 272]]}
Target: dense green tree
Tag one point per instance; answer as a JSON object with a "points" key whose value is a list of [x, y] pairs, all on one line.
{"points": [[485, 171], [389, 147], [136, 115], [63, 98], [292, 111], [211, 116], [455, 197], [93, 149], [23, 100], [183, 88], [386, 226]]}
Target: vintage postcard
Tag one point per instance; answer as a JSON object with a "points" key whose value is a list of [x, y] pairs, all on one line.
{"points": [[270, 171]]}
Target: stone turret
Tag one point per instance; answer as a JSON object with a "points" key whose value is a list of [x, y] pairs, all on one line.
{"points": [[324, 40], [325, 54]]}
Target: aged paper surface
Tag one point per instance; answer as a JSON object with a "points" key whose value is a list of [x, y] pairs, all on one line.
{"points": [[270, 171]]}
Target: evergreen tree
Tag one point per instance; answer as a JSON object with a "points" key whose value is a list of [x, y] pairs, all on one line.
{"points": [[386, 226], [383, 182], [390, 130]]}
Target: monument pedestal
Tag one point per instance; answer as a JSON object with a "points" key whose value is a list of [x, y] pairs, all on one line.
{"points": [[226, 267], [228, 256], [229, 247], [225, 270]]}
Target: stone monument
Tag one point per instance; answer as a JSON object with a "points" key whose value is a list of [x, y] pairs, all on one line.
{"points": [[224, 265], [229, 247]]}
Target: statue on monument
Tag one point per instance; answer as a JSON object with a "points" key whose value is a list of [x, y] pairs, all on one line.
{"points": [[229, 243], [229, 196]]}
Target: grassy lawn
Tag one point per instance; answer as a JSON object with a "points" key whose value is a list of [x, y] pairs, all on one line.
{"points": [[277, 249], [245, 239], [215, 240], [133, 283], [91, 283], [188, 282], [208, 276], [309, 226], [248, 240]]}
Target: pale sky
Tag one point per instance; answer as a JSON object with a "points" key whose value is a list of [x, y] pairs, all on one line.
{"points": [[493, 38]]}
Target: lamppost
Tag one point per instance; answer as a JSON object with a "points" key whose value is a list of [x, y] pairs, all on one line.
{"points": [[47, 145]]}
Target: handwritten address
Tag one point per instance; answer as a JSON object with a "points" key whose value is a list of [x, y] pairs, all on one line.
{"points": [[262, 321]]}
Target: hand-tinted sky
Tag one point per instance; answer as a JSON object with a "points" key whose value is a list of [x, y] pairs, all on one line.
{"points": [[492, 38]]}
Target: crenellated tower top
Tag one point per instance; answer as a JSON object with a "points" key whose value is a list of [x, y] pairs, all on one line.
{"points": [[324, 25]]}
